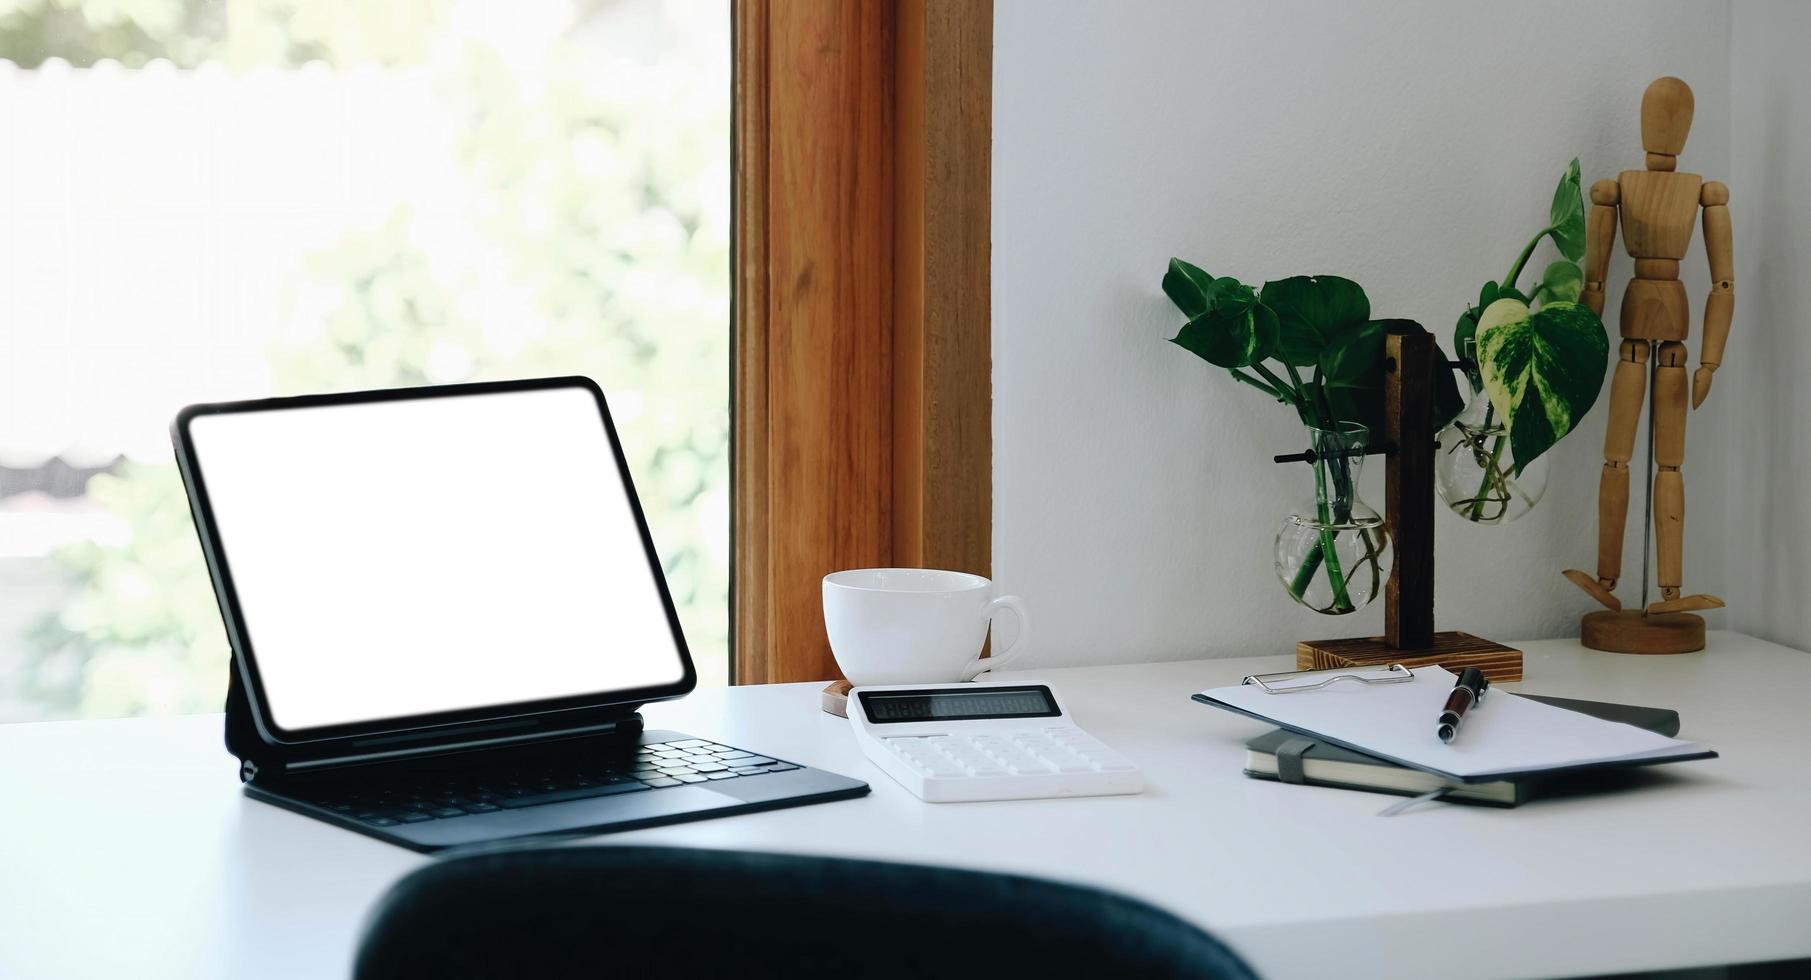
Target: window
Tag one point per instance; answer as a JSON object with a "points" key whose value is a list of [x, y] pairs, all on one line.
{"points": [[208, 201]]}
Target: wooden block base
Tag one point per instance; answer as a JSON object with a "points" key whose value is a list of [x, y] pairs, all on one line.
{"points": [[1453, 650], [835, 698], [1632, 631]]}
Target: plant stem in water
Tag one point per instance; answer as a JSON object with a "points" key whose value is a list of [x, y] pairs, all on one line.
{"points": [[1342, 602], [1491, 472]]}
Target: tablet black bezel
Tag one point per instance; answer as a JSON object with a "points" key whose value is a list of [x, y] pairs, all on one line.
{"points": [[570, 711]]}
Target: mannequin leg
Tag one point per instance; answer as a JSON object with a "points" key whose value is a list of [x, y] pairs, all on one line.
{"points": [[1671, 395], [1626, 390]]}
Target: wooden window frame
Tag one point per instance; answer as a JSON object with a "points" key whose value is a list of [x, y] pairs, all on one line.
{"points": [[861, 384]]}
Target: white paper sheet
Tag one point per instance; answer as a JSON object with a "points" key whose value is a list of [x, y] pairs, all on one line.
{"points": [[1503, 734]]}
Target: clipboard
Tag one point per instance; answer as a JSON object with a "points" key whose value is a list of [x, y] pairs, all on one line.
{"points": [[1377, 712]]}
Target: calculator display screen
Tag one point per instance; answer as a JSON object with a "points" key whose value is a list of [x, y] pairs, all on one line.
{"points": [[958, 704]]}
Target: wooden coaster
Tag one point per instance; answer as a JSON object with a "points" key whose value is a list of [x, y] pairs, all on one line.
{"points": [[835, 698], [1453, 650], [1633, 631]]}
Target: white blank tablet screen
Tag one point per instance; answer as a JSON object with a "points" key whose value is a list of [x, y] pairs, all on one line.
{"points": [[405, 557]]}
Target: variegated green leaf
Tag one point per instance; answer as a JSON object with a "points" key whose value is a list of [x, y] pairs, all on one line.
{"points": [[1543, 370]]}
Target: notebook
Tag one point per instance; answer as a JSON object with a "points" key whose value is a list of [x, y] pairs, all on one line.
{"points": [[1325, 764], [1505, 737]]}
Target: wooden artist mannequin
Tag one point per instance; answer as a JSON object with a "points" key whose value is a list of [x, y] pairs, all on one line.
{"points": [[1657, 208]]}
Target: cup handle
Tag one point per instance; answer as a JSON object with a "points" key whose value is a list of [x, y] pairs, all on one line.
{"points": [[1000, 657]]}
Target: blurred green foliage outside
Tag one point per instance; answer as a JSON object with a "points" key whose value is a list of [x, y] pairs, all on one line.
{"points": [[600, 201]]}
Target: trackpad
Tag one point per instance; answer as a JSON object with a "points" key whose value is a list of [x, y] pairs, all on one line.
{"points": [[604, 812]]}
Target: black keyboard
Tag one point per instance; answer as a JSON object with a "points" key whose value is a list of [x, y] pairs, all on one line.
{"points": [[450, 793]]}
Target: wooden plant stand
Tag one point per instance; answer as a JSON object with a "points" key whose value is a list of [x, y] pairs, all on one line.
{"points": [[1408, 598]]}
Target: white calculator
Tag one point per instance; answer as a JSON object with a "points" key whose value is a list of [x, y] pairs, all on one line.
{"points": [[984, 741]]}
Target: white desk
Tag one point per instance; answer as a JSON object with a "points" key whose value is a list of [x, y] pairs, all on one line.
{"points": [[127, 849]]}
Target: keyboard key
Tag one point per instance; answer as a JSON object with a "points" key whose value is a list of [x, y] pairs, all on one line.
{"points": [[756, 760], [710, 767], [579, 793], [751, 771], [381, 822], [661, 781], [678, 771], [413, 816], [735, 756], [691, 778], [448, 811], [782, 767], [481, 807], [721, 775], [689, 743]]}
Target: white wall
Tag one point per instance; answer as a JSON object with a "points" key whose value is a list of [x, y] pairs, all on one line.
{"points": [[1411, 147], [1762, 394]]}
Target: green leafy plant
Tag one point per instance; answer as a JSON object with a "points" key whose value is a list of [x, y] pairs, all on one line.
{"points": [[1308, 342], [1540, 355]]}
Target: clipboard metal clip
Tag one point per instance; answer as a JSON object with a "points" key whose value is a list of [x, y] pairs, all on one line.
{"points": [[1297, 681]]}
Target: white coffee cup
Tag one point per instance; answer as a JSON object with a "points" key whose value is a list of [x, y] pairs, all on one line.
{"points": [[915, 625]]}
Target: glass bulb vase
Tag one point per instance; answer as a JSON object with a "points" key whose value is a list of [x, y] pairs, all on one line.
{"points": [[1474, 468], [1333, 553]]}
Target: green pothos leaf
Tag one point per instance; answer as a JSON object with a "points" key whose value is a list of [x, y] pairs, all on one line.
{"points": [[1351, 373], [1187, 287], [1543, 370], [1566, 216], [1314, 314], [1236, 330], [1562, 282]]}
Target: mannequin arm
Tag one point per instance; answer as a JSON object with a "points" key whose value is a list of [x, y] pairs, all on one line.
{"points": [[1600, 235], [1719, 307]]}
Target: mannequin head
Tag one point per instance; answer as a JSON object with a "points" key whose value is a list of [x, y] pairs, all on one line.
{"points": [[1666, 117]]}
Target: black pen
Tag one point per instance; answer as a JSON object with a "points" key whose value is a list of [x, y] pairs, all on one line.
{"points": [[1468, 690]]}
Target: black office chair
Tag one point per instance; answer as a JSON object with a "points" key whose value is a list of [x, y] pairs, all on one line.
{"points": [[597, 912]]}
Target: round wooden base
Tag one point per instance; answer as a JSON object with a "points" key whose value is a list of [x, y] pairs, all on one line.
{"points": [[1630, 631]]}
